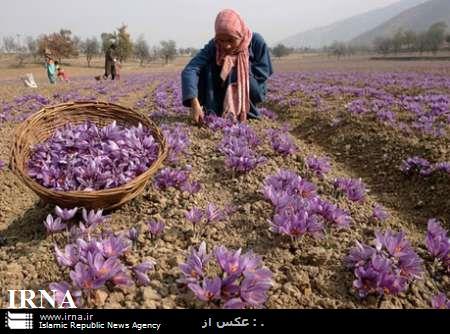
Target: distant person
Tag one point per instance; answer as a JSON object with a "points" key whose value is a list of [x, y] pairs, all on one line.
{"points": [[228, 76], [29, 81], [51, 69], [60, 73], [110, 58], [118, 67]]}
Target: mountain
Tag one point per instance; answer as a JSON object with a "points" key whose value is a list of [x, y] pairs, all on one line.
{"points": [[350, 28], [418, 18]]}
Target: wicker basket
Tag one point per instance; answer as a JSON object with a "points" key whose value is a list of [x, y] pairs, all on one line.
{"points": [[42, 125]]}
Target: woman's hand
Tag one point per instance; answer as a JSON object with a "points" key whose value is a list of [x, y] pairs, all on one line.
{"points": [[198, 114]]}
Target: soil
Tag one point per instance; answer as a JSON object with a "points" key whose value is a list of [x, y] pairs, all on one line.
{"points": [[307, 274]]}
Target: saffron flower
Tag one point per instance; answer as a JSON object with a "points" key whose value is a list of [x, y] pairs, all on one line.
{"points": [[54, 225], [65, 214], [242, 282], [440, 301], [354, 189], [438, 242], [155, 228], [319, 165], [379, 213], [387, 268]]}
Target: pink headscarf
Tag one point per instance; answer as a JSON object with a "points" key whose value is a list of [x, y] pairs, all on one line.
{"points": [[237, 97]]}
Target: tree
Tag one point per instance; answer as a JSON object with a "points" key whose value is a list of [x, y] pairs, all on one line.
{"points": [[410, 39], [141, 50], [382, 45], [124, 46], [436, 36], [168, 50], [107, 40], [9, 44], [281, 50], [397, 41], [32, 47], [338, 49], [61, 44], [91, 48]]}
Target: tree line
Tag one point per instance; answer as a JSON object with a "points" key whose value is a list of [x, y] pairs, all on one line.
{"points": [[63, 45], [431, 40]]}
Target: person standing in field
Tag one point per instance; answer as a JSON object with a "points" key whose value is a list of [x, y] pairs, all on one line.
{"points": [[61, 74], [51, 69], [228, 76], [110, 59]]}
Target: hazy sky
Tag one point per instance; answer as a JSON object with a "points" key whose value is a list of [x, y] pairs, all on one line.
{"points": [[189, 23]]}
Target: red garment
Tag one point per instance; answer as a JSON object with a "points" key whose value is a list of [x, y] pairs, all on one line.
{"points": [[62, 75]]}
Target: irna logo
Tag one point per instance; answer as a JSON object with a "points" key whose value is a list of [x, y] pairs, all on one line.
{"points": [[29, 299]]}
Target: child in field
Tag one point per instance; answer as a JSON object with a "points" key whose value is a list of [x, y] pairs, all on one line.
{"points": [[60, 72], [118, 67], [51, 69], [228, 76]]}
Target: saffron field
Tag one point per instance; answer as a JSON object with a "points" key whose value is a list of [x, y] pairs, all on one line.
{"points": [[337, 198]]}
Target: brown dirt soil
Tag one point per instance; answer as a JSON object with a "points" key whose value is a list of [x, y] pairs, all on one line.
{"points": [[310, 274]]}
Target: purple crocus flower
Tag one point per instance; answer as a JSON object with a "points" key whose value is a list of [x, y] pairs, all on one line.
{"points": [[195, 215], [213, 214], [141, 270], [2, 165], [379, 213], [254, 288], [85, 158], [133, 233], [65, 214], [69, 257], [84, 278], [191, 187], [297, 224], [319, 165], [61, 289], [114, 246], [395, 243], [193, 269], [208, 291], [440, 301], [122, 279], [354, 189], [281, 142], [54, 225], [359, 255], [177, 141], [415, 164], [229, 261], [103, 268], [155, 228], [94, 218], [334, 214], [437, 240], [235, 304], [387, 268]]}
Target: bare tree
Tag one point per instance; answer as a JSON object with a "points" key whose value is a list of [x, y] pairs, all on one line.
{"points": [[436, 36], [9, 44], [168, 50], [32, 47], [281, 50], [383, 45], [141, 50], [91, 48]]}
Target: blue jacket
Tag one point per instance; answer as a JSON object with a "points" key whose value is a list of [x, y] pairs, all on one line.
{"points": [[201, 77]]}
